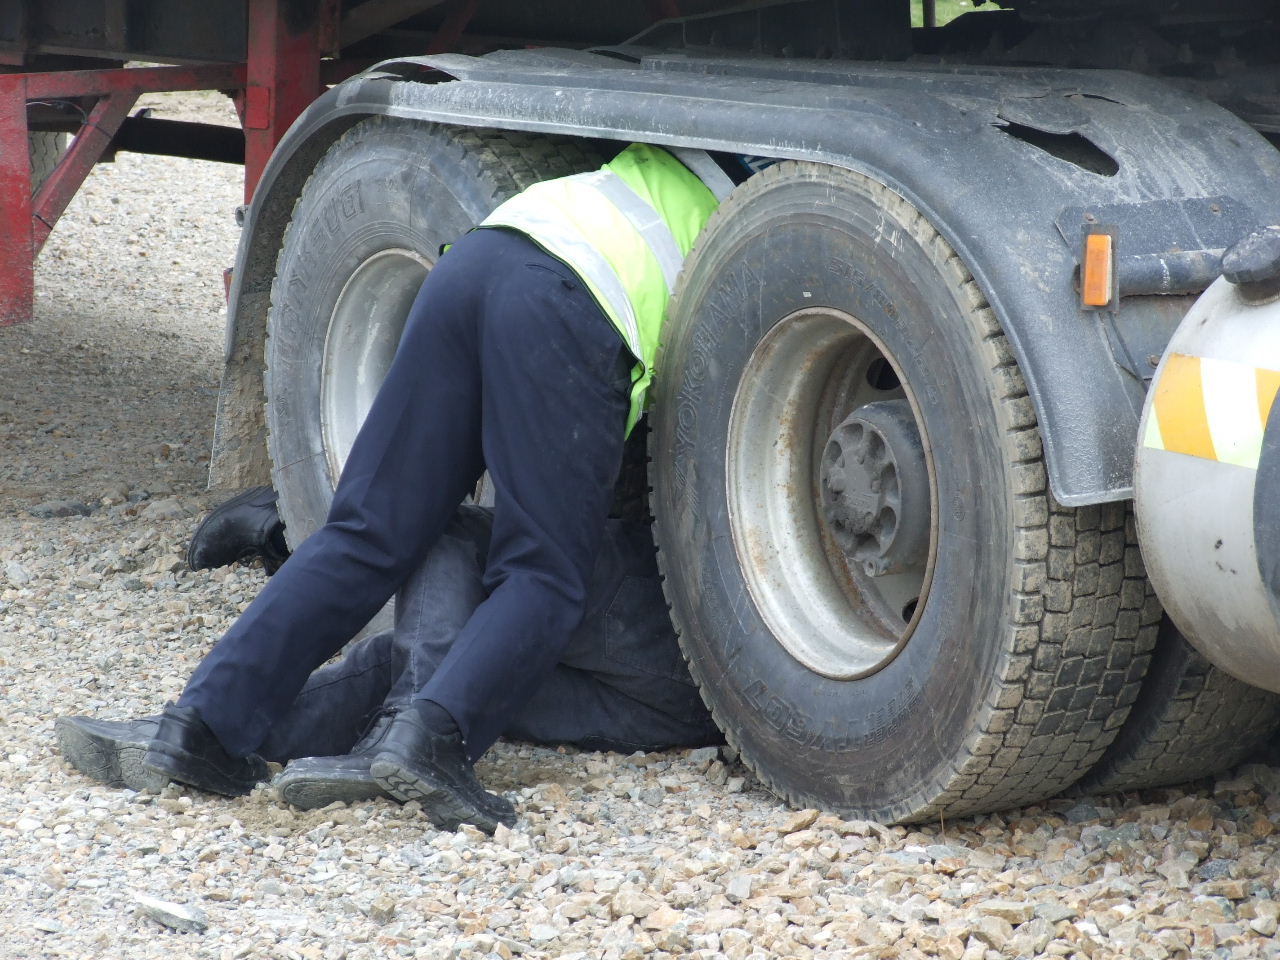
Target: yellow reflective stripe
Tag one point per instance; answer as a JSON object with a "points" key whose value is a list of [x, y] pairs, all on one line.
{"points": [[1179, 403], [1268, 382], [667, 185], [647, 220], [632, 261], [1212, 409], [545, 212]]}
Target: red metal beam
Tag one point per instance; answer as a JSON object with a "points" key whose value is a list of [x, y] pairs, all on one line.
{"points": [[138, 80], [90, 143], [283, 77], [17, 269], [25, 222]]}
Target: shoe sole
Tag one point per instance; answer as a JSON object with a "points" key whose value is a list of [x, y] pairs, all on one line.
{"points": [[107, 760], [311, 793], [163, 760], [444, 808]]}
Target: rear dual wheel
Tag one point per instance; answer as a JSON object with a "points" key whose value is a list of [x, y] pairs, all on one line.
{"points": [[885, 609], [1190, 720], [882, 603]]}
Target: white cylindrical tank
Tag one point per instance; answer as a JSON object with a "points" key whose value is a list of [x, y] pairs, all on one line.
{"points": [[1200, 444]]}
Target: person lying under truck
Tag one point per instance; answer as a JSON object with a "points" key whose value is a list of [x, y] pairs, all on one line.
{"points": [[528, 352], [621, 683]]}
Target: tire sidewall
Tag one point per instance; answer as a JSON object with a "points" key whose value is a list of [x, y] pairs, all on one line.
{"points": [[382, 186], [842, 742]]}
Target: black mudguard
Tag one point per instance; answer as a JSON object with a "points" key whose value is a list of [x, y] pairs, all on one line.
{"points": [[1010, 165]]}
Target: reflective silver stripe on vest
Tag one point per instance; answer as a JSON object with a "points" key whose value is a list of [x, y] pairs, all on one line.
{"points": [[647, 221], [705, 169], [582, 256]]}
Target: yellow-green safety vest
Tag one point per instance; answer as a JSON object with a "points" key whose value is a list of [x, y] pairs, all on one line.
{"points": [[625, 229]]}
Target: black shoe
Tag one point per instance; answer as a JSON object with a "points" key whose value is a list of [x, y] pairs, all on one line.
{"points": [[246, 526], [418, 763], [110, 751], [185, 749], [312, 782]]}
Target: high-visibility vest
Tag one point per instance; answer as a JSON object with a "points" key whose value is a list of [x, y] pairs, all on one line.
{"points": [[625, 230]]}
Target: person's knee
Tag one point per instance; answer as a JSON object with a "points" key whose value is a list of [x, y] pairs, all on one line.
{"points": [[370, 542], [547, 586]]}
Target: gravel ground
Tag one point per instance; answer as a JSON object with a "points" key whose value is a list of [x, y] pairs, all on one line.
{"points": [[106, 409]]}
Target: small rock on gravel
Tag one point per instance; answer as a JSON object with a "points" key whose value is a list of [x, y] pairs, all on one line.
{"points": [[1055, 912], [800, 820], [60, 508], [175, 916], [633, 903], [167, 509], [1009, 910]]}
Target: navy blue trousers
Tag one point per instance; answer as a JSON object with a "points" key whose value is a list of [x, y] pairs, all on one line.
{"points": [[621, 683], [506, 363]]}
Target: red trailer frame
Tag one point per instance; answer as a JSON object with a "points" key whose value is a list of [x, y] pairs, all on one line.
{"points": [[281, 75]]}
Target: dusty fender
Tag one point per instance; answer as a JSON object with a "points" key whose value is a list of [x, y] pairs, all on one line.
{"points": [[1009, 165], [1207, 482]]}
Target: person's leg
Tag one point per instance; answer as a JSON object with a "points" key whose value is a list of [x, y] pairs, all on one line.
{"points": [[382, 672], [622, 683], [578, 707], [415, 458], [556, 381], [380, 678], [439, 598]]}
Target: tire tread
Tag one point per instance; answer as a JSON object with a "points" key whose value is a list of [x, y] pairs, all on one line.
{"points": [[1190, 720], [44, 150]]}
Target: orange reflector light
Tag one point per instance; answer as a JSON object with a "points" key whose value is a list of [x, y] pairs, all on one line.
{"points": [[1095, 279]]}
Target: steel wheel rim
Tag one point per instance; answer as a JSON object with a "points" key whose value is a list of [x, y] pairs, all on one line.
{"points": [[364, 331], [815, 367]]}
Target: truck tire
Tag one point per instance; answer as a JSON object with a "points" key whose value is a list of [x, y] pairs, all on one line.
{"points": [[885, 609], [45, 150], [366, 228], [1191, 720]]}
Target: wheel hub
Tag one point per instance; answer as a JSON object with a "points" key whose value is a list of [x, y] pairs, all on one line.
{"points": [[875, 488], [803, 524], [363, 334]]}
